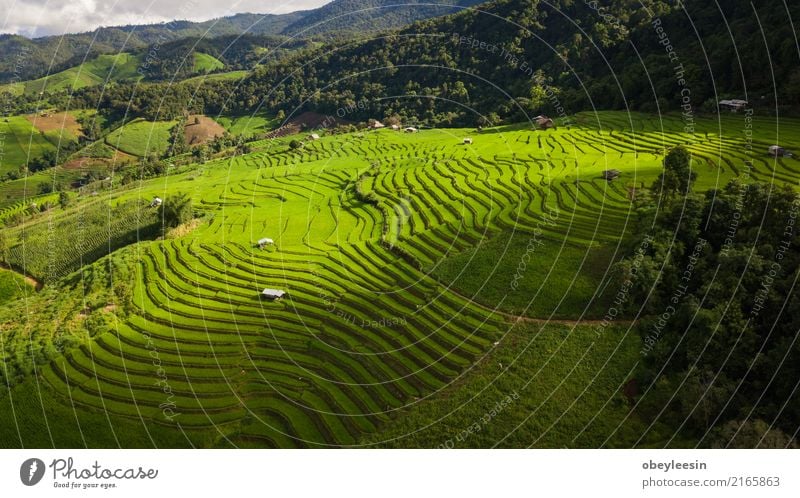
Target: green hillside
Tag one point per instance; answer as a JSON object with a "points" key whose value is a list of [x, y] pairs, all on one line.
{"points": [[141, 138], [247, 125], [376, 324], [98, 71], [228, 75], [20, 142], [555, 385], [512, 60], [204, 63], [335, 18]]}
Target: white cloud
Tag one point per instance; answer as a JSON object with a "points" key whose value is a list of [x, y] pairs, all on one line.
{"points": [[54, 17]]}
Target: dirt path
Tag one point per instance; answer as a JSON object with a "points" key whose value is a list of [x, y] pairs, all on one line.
{"points": [[540, 321], [543, 321], [28, 279]]}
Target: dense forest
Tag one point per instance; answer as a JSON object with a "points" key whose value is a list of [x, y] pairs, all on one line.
{"points": [[173, 60], [521, 57], [715, 277]]}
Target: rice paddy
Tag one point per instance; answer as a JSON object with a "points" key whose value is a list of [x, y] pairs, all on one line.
{"points": [[370, 231]]}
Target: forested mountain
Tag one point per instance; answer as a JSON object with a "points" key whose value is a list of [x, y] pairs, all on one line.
{"points": [[527, 56], [22, 58], [507, 61], [369, 15], [172, 61]]}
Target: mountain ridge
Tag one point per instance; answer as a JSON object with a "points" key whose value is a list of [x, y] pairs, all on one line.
{"points": [[23, 58]]}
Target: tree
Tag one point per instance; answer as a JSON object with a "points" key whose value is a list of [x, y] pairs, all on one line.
{"points": [[175, 210], [490, 119], [538, 97], [394, 119], [123, 293], [677, 177], [48, 159], [295, 144], [177, 139], [459, 91], [715, 284], [63, 199], [750, 434], [200, 153], [3, 245]]}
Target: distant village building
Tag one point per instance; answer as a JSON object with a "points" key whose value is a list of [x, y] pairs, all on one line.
{"points": [[272, 293], [543, 122], [467, 141], [395, 127], [266, 241], [610, 174], [410, 129], [733, 105], [375, 124], [156, 202], [313, 136], [777, 151]]}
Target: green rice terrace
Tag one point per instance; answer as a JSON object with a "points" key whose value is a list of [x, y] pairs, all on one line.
{"points": [[399, 254]]}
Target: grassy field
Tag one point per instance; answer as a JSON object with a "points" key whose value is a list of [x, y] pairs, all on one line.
{"points": [[141, 138], [204, 63], [528, 275], [25, 207], [63, 425], [247, 125], [60, 127], [19, 142], [228, 75], [541, 386], [383, 241]]}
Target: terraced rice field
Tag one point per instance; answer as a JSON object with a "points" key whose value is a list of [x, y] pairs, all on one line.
{"points": [[45, 251], [27, 206], [364, 331]]}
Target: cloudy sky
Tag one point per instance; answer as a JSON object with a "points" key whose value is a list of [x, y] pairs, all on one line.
{"points": [[53, 17]]}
